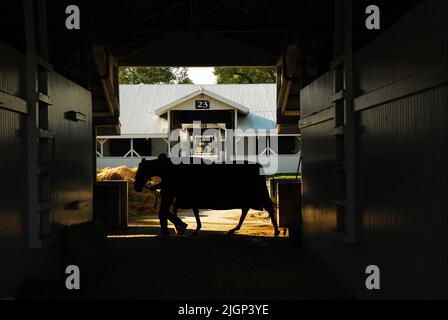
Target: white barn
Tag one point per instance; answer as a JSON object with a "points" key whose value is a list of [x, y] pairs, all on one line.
{"points": [[149, 113]]}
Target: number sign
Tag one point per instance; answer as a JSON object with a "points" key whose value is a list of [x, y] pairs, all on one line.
{"points": [[202, 104]]}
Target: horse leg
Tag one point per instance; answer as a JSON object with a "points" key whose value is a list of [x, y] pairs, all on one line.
{"points": [[244, 212], [270, 209], [198, 221]]}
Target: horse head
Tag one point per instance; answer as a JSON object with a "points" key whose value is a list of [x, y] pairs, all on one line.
{"points": [[148, 169]]}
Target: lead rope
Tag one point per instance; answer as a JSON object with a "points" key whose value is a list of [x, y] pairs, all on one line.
{"points": [[156, 195], [155, 192]]}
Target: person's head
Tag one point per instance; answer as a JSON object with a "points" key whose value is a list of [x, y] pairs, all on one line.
{"points": [[148, 169]]}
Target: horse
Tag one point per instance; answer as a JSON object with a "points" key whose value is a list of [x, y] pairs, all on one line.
{"points": [[234, 185]]}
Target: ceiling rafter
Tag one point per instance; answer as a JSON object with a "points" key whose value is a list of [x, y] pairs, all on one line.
{"points": [[228, 11], [166, 10]]}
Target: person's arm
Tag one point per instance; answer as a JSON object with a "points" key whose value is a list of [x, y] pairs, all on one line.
{"points": [[154, 187]]}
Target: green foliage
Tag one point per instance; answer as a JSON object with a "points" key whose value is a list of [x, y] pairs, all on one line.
{"points": [[153, 75], [181, 76], [241, 75]]}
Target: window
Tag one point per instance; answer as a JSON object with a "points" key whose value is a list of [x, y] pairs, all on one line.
{"points": [[142, 147], [288, 145], [116, 147], [205, 145]]}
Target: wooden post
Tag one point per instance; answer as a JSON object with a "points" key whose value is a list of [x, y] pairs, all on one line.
{"points": [[345, 116], [132, 147], [169, 132], [350, 116], [236, 119], [31, 120], [345, 121]]}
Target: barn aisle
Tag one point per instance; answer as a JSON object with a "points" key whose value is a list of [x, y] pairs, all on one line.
{"points": [[212, 266]]}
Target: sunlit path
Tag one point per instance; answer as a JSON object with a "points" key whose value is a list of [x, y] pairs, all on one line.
{"points": [[257, 223]]}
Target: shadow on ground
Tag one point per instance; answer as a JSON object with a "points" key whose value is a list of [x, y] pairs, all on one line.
{"points": [[138, 264], [211, 266]]}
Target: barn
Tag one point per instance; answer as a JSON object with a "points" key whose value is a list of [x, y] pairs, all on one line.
{"points": [[369, 102], [148, 114]]}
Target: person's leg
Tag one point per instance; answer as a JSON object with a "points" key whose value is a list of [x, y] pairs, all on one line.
{"points": [[174, 219], [175, 208], [165, 215], [163, 218]]}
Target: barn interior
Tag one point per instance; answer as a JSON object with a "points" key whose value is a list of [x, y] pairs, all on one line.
{"points": [[59, 90]]}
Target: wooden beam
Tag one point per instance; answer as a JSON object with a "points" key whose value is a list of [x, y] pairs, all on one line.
{"points": [[292, 113], [165, 10], [432, 78], [319, 117], [105, 71], [146, 30], [106, 121], [13, 103]]}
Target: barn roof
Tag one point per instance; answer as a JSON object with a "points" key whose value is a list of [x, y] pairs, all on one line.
{"points": [[200, 91], [142, 106]]}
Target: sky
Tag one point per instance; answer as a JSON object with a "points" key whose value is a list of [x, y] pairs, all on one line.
{"points": [[202, 75]]}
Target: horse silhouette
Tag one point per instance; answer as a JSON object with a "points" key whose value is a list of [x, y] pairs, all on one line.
{"points": [[201, 185]]}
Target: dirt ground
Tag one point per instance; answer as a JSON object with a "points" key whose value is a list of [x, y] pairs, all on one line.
{"points": [[257, 223], [213, 265]]}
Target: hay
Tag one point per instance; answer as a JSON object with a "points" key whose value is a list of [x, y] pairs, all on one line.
{"points": [[139, 203]]}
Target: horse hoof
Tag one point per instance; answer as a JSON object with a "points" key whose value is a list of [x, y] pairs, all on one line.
{"points": [[180, 230], [195, 234], [276, 233], [231, 232]]}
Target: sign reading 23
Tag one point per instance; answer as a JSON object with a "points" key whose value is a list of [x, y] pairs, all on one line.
{"points": [[202, 104]]}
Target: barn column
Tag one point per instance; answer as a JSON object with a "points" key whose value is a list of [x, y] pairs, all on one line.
{"points": [[344, 121], [39, 138]]}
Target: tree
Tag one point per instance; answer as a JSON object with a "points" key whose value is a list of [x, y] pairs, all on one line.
{"points": [[153, 75], [240, 75], [181, 75]]}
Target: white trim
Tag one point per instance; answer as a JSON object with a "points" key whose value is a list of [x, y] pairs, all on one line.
{"points": [[287, 164], [137, 136], [236, 120], [132, 148], [162, 110], [168, 117], [207, 126]]}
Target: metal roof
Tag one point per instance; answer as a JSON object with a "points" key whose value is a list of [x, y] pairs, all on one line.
{"points": [[139, 103]]}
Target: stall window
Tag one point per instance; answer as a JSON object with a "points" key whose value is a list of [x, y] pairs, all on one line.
{"points": [[288, 145], [142, 147], [117, 147]]}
